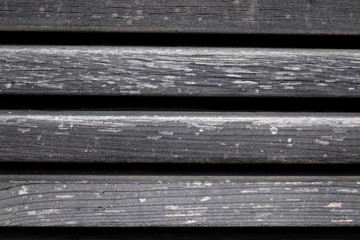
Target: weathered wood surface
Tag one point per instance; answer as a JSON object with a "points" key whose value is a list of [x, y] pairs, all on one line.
{"points": [[286, 233], [151, 71], [65, 200], [245, 16], [179, 137]]}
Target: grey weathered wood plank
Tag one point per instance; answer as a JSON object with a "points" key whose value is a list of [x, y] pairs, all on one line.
{"points": [[151, 71], [179, 137], [70, 200], [245, 16]]}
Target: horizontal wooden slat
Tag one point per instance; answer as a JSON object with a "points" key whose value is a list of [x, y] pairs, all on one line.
{"points": [[180, 137], [186, 71], [66, 200], [249, 16]]}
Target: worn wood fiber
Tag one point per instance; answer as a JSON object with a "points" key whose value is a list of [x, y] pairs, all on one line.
{"points": [[66, 200], [155, 71], [245, 16], [179, 137]]}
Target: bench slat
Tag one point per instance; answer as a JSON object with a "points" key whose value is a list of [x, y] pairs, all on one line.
{"points": [[151, 71], [214, 16], [66, 200], [179, 137]]}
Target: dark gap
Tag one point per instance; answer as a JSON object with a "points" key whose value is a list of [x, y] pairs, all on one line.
{"points": [[177, 39], [183, 233], [198, 104], [179, 169]]}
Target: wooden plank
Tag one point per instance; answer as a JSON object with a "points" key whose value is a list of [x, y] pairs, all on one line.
{"points": [[129, 200], [151, 71], [179, 137], [181, 233], [214, 16]]}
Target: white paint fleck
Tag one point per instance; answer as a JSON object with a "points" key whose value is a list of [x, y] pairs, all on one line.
{"points": [[243, 82], [190, 221], [71, 222], [249, 191], [114, 211], [64, 196], [42, 212], [307, 190], [343, 221], [321, 142], [292, 68], [334, 205], [183, 215], [31, 213], [154, 137], [24, 130], [347, 190], [23, 190], [289, 140], [273, 130], [166, 133], [265, 206], [205, 199], [289, 87], [142, 200], [8, 85]]}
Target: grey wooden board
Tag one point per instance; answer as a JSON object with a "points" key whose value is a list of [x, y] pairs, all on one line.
{"points": [[282, 233], [152, 71], [179, 137], [130, 200], [245, 16]]}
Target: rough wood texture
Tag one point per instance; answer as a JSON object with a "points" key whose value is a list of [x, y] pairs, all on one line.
{"points": [[179, 71], [245, 16], [179, 137], [179, 201]]}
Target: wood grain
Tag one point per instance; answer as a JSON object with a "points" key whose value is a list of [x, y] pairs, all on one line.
{"points": [[151, 71], [64, 200], [214, 16], [179, 137]]}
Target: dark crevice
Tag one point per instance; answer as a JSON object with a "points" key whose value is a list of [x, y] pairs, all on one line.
{"points": [[177, 39], [184, 233], [195, 104], [179, 169]]}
